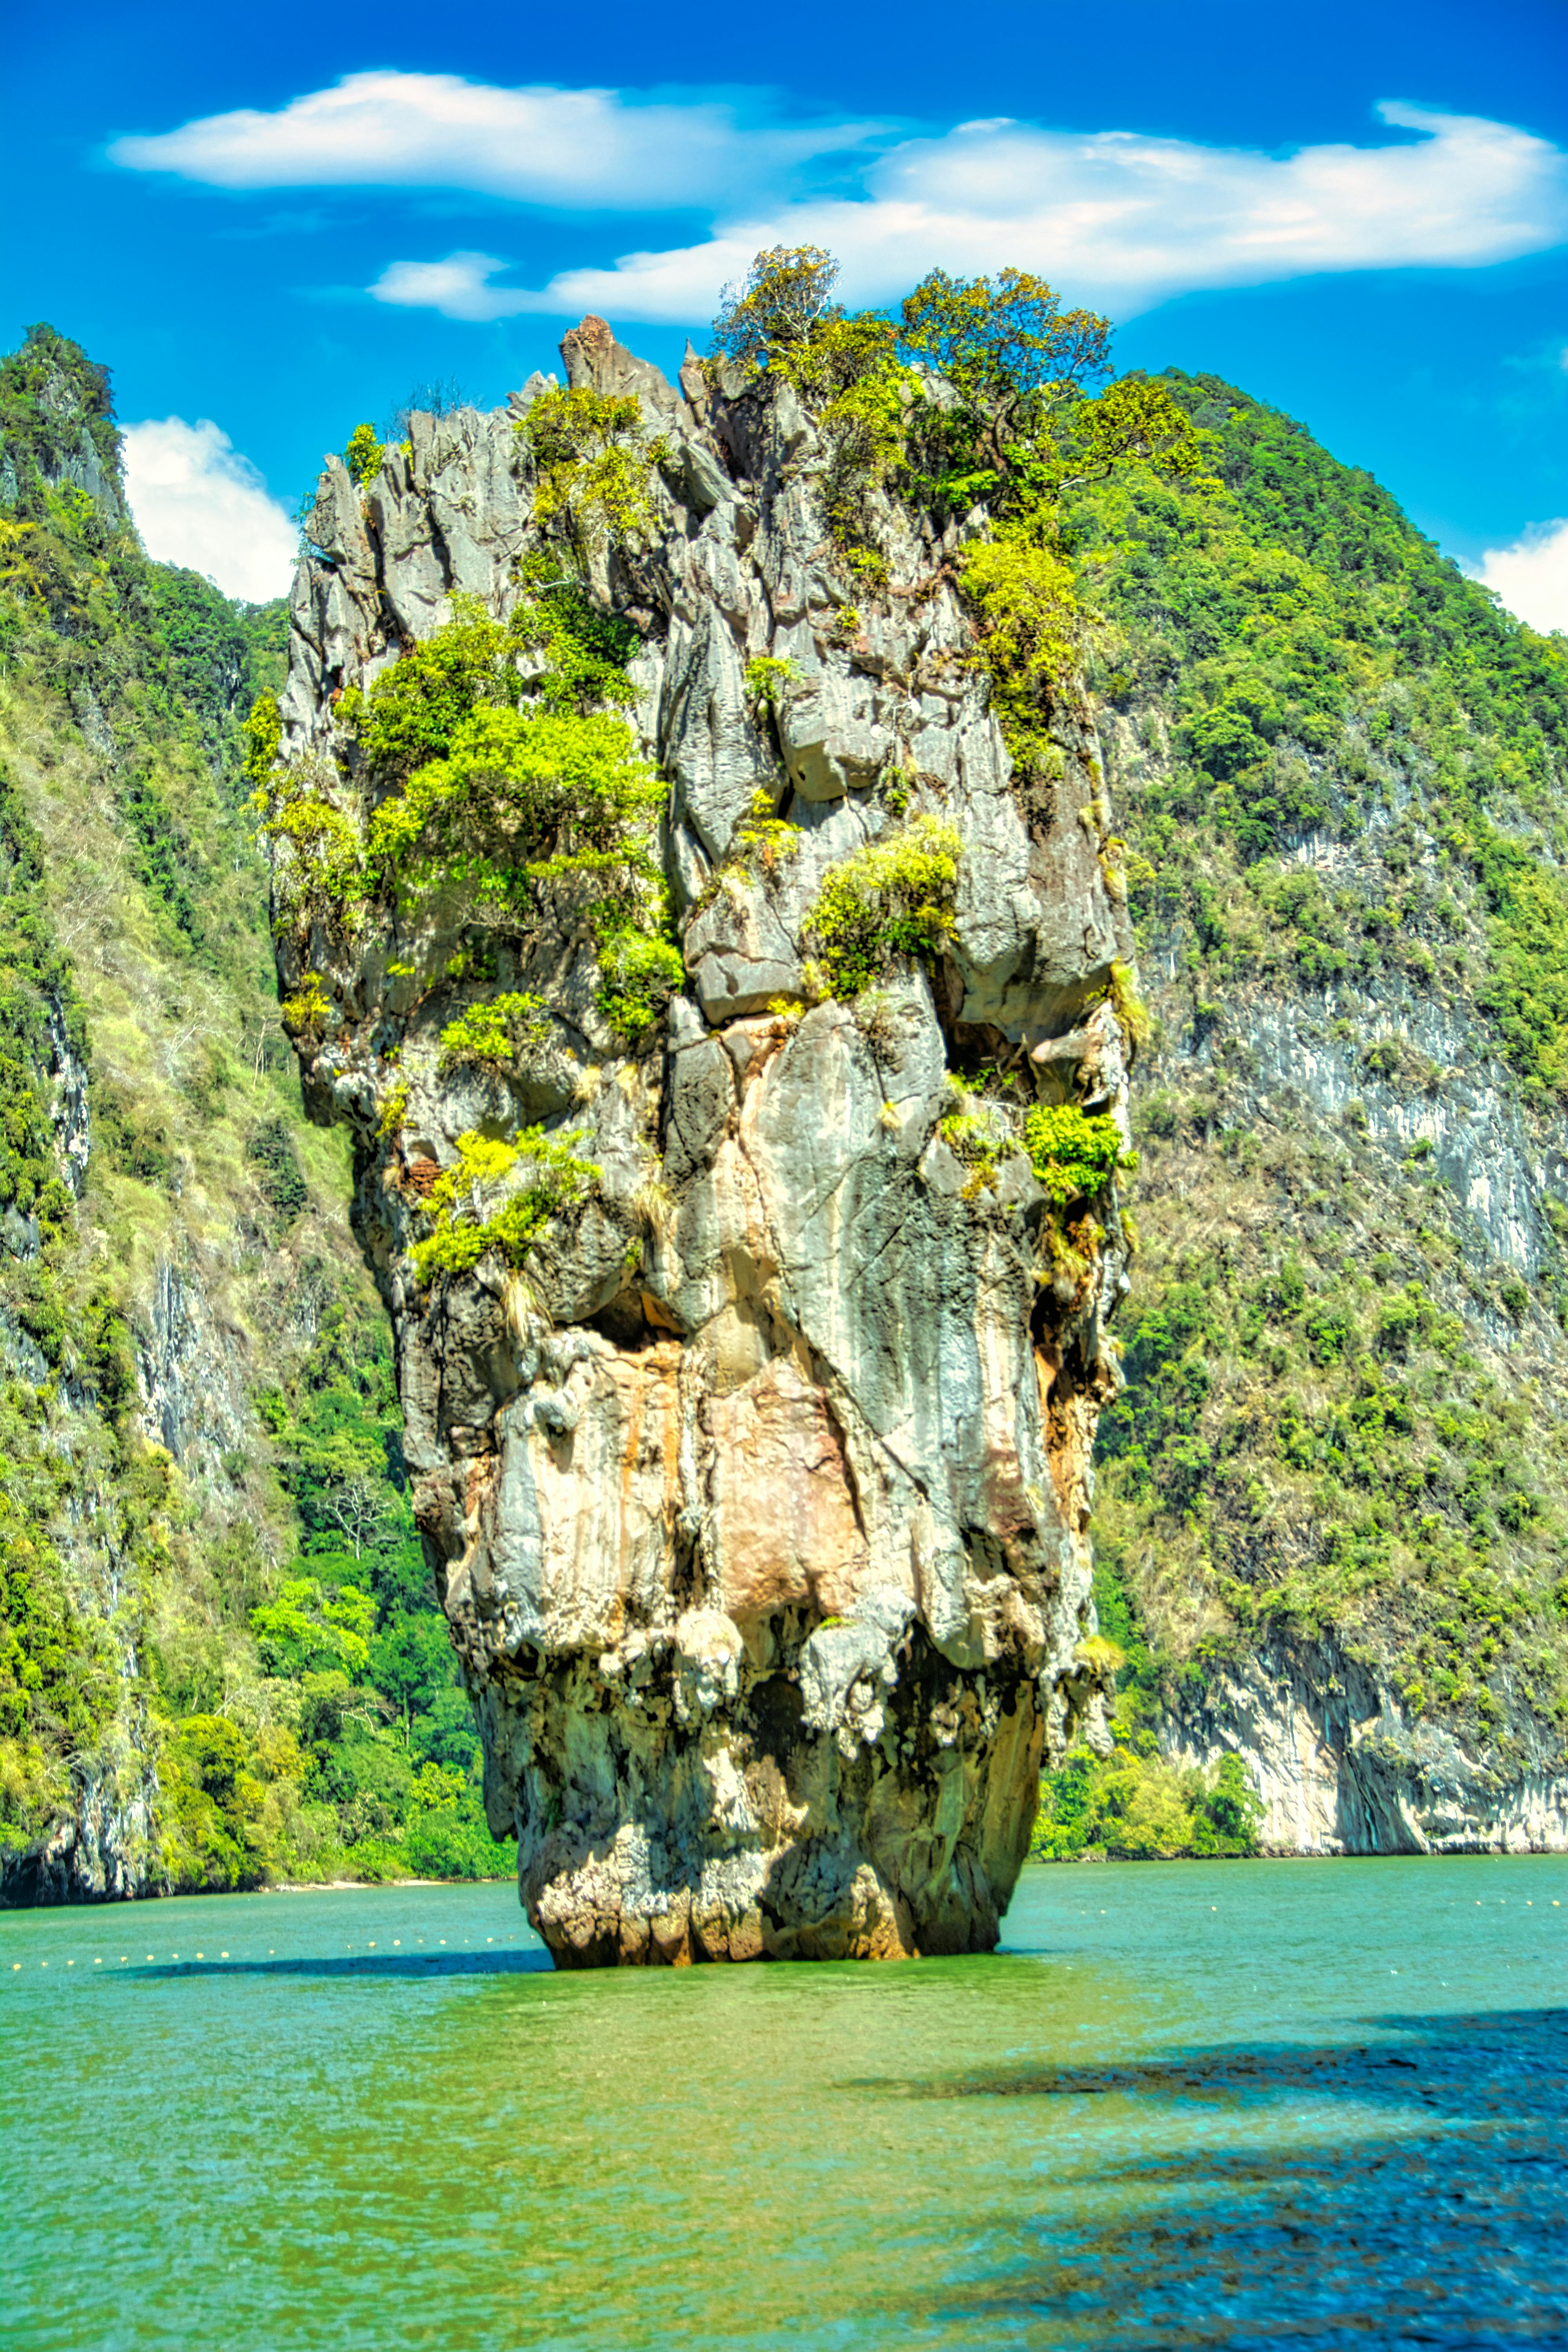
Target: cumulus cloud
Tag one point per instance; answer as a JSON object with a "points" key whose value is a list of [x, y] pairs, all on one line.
{"points": [[198, 502], [589, 150], [1531, 576]]}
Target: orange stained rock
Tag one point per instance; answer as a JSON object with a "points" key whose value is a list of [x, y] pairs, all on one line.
{"points": [[784, 1521]]}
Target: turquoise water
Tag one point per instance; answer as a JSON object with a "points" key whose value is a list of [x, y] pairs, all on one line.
{"points": [[1231, 2105]]}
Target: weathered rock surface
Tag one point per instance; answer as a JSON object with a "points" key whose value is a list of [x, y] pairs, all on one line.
{"points": [[758, 1515], [1343, 1768], [1401, 1089]]}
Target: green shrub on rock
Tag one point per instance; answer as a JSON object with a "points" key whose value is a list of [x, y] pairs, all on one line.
{"points": [[640, 973], [1075, 1153], [412, 711], [363, 455], [495, 1034], [517, 793], [1029, 615], [595, 469], [467, 1216], [893, 898]]}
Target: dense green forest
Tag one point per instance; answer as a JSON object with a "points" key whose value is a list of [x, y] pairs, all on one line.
{"points": [[216, 1636], [1340, 772]]}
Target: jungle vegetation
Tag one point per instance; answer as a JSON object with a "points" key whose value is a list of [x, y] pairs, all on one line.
{"points": [[1341, 773], [212, 1594]]}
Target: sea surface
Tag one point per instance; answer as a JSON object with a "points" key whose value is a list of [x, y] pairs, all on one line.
{"points": [[1245, 2103]]}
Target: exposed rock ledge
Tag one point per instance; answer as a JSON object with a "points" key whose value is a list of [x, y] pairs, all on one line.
{"points": [[1341, 1770], [765, 1555]]}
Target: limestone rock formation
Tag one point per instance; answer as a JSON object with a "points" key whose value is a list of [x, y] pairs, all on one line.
{"points": [[757, 1501]]}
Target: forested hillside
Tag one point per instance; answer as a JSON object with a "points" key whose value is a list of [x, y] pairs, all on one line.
{"points": [[1337, 1484], [1332, 1509], [218, 1659]]}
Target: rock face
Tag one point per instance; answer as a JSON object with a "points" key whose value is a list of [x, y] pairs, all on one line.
{"points": [[758, 1510], [1343, 1768]]}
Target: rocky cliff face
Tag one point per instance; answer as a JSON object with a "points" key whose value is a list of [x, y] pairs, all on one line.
{"points": [[1331, 1492], [1404, 1089], [1342, 1766], [159, 1293], [758, 1498]]}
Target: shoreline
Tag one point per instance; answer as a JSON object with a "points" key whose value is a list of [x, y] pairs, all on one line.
{"points": [[223, 1893]]}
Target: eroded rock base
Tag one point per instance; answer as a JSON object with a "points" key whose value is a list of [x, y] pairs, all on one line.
{"points": [[760, 1837]]}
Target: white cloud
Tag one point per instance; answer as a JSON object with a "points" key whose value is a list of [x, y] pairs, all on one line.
{"points": [[198, 502], [1128, 221], [584, 149], [456, 286], [1114, 216], [1531, 576]]}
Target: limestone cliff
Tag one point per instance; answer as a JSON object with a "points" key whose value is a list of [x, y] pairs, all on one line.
{"points": [[757, 1496], [1331, 1494], [174, 1267]]}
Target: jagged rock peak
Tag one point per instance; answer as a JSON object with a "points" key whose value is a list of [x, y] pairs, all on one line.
{"points": [[757, 1498]]}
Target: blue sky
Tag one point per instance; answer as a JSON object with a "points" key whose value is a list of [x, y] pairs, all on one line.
{"points": [[272, 227]]}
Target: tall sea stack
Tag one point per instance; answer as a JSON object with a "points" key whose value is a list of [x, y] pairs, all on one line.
{"points": [[751, 1433]]}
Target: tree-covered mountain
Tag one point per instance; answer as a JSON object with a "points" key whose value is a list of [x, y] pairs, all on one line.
{"points": [[218, 1662], [1333, 1498], [1333, 1505]]}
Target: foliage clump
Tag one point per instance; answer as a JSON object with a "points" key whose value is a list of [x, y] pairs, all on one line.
{"points": [[595, 467], [412, 711], [519, 793], [497, 1033], [1026, 609], [893, 897], [1074, 1153], [363, 455], [1132, 1806], [978, 1136], [785, 296], [640, 973], [767, 676], [281, 1179], [977, 391], [508, 773], [499, 1196]]}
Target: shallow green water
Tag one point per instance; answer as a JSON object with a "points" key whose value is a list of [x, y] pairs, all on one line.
{"points": [[1236, 2105]]}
